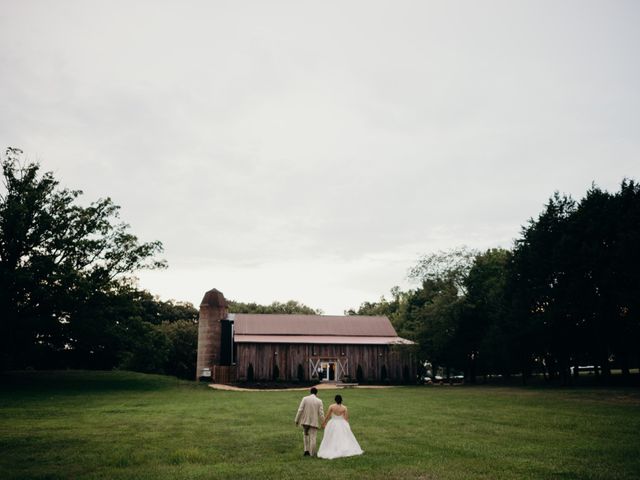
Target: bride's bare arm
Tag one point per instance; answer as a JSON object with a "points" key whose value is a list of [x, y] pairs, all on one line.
{"points": [[346, 414], [327, 416]]}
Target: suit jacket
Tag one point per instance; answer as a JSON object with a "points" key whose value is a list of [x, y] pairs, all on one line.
{"points": [[310, 412]]}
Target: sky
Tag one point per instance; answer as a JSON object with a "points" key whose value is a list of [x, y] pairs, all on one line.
{"points": [[315, 150]]}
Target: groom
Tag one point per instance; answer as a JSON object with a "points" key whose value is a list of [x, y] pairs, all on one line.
{"points": [[310, 415]]}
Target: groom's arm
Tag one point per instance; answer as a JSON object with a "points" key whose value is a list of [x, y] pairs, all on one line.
{"points": [[324, 422], [300, 409], [321, 414]]}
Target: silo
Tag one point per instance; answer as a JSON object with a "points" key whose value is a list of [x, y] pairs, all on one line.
{"points": [[213, 309]]}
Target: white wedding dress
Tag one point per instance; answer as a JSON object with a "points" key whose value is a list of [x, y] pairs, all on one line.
{"points": [[338, 440]]}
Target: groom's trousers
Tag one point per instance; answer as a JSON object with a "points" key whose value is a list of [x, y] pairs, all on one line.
{"points": [[309, 435]]}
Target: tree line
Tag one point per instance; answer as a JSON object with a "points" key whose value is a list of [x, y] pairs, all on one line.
{"points": [[566, 295]]}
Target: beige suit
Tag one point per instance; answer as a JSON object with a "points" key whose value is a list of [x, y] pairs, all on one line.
{"points": [[310, 415]]}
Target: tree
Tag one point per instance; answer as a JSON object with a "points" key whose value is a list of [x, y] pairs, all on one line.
{"points": [[56, 257], [483, 331], [452, 265], [625, 266], [392, 309], [439, 309], [290, 307], [431, 313], [434, 311], [156, 311], [540, 287], [182, 336], [575, 281], [607, 230]]}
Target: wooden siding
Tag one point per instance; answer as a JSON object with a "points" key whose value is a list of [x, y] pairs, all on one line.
{"points": [[371, 358], [224, 374]]}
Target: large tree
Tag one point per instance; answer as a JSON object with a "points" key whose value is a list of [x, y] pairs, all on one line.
{"points": [[484, 330], [575, 281], [58, 260]]}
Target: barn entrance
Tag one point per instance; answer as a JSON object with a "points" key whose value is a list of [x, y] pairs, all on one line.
{"points": [[328, 369]]}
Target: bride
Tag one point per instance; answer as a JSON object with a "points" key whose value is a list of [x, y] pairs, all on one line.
{"points": [[338, 440]]}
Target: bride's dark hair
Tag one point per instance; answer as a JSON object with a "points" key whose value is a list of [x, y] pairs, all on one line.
{"points": [[338, 399]]}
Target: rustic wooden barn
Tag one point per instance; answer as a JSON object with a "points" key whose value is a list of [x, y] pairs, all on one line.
{"points": [[323, 348]]}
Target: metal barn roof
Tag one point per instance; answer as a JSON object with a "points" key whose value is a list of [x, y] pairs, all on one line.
{"points": [[318, 329], [328, 325]]}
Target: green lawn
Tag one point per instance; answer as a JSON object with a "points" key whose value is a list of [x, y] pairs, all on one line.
{"points": [[122, 425]]}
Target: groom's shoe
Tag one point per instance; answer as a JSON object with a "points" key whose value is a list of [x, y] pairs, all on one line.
{"points": [[306, 454]]}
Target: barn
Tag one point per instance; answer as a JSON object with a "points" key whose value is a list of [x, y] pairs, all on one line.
{"points": [[323, 348]]}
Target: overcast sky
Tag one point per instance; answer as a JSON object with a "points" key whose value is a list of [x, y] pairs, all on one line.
{"points": [[314, 150]]}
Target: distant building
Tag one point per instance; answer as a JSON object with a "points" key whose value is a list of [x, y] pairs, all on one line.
{"points": [[324, 348]]}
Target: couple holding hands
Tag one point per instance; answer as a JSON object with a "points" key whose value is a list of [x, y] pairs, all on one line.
{"points": [[338, 440]]}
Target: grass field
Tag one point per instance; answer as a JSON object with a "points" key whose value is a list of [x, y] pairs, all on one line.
{"points": [[121, 425]]}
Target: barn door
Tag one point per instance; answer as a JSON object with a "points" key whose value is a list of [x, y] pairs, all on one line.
{"points": [[314, 365], [342, 368]]}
